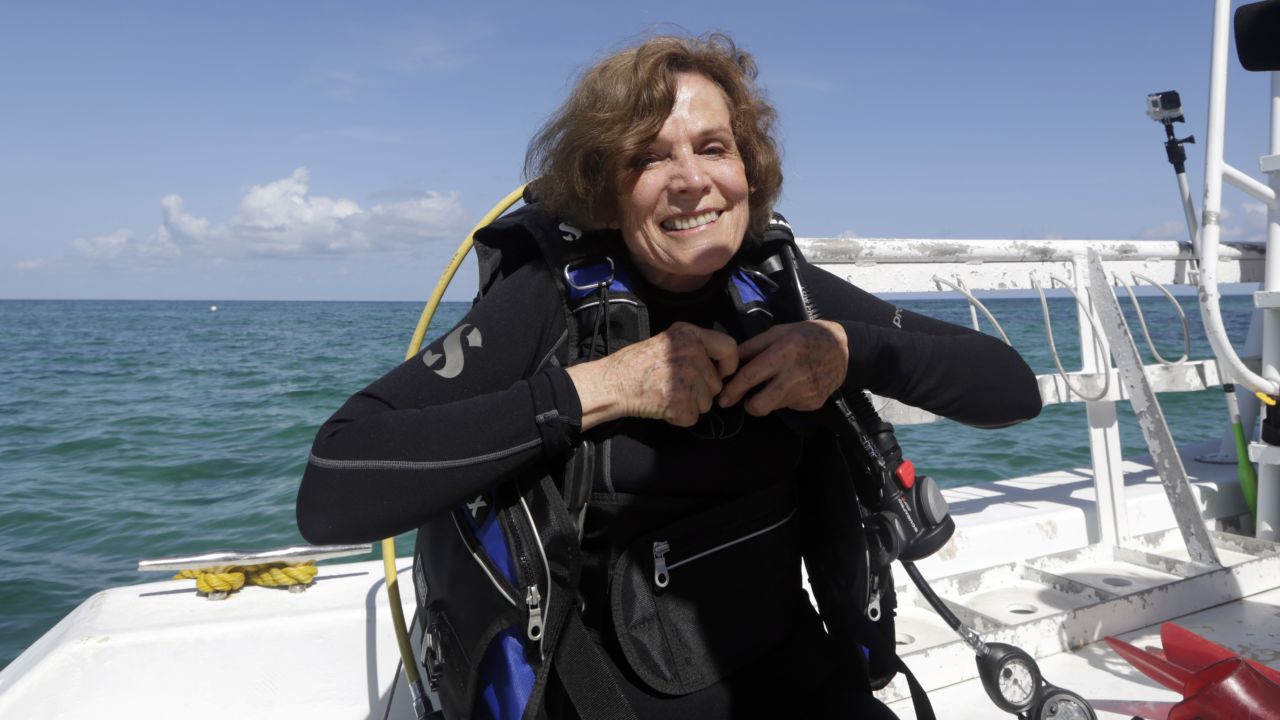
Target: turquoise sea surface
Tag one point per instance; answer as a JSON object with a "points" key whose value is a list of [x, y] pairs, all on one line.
{"points": [[140, 429]]}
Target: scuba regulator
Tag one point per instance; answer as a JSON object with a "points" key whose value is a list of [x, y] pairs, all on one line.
{"points": [[909, 518]]}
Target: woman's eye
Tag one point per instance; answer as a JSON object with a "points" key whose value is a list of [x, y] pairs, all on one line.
{"points": [[645, 161]]}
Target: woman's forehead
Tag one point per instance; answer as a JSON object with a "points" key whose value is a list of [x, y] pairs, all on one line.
{"points": [[700, 106]]}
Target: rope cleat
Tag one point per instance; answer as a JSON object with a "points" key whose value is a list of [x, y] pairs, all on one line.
{"points": [[220, 573]]}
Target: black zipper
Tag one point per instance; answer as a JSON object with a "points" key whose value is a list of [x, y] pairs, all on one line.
{"points": [[662, 566], [530, 559]]}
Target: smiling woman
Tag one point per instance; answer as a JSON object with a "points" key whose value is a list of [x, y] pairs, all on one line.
{"points": [[615, 529], [683, 209], [597, 140]]}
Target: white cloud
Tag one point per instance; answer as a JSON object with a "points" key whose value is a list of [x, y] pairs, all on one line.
{"points": [[1167, 230], [282, 219], [1254, 225], [279, 218], [1247, 226], [433, 214], [35, 264], [104, 246], [181, 224], [120, 247]]}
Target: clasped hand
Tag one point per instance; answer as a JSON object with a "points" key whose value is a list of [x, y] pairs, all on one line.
{"points": [[677, 374]]}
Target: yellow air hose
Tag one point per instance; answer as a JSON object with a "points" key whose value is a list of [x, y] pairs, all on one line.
{"points": [[420, 332]]}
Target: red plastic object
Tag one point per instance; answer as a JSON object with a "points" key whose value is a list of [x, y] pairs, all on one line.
{"points": [[1192, 651], [1214, 682], [906, 473]]}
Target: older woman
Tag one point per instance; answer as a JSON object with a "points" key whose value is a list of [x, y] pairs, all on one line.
{"points": [[696, 426]]}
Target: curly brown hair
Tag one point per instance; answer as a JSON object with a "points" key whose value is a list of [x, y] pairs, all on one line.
{"points": [[582, 155]]}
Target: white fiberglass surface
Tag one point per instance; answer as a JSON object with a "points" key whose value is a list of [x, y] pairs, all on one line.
{"points": [[1116, 690], [158, 650]]}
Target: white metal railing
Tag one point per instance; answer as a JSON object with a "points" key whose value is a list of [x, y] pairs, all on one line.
{"points": [[966, 266], [930, 265], [1267, 378], [881, 265], [1216, 170]]}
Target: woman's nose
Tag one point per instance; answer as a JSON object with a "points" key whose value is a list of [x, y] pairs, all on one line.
{"points": [[689, 175]]}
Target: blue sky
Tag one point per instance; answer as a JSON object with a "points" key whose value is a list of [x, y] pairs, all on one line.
{"points": [[340, 150]]}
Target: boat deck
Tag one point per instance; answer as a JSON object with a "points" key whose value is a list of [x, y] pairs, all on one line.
{"points": [[159, 650], [1025, 567], [1117, 691]]}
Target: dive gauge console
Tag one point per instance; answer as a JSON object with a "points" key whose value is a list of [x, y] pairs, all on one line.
{"points": [[1009, 674], [1013, 681]]}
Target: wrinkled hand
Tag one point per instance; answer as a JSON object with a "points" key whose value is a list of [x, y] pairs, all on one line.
{"points": [[673, 376], [796, 366]]}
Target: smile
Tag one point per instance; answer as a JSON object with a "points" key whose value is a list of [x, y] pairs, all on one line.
{"points": [[689, 223]]}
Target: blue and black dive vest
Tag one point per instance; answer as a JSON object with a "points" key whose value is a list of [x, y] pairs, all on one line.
{"points": [[497, 577]]}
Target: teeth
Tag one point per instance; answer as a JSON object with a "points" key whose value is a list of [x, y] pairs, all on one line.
{"points": [[691, 222]]}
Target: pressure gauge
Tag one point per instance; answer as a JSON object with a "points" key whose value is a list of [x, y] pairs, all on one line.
{"points": [[1017, 682], [1010, 676], [1059, 704]]}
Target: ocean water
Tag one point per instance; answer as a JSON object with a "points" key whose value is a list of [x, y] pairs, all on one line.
{"points": [[131, 430]]}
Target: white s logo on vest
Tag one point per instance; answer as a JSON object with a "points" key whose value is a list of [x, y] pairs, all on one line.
{"points": [[569, 233]]}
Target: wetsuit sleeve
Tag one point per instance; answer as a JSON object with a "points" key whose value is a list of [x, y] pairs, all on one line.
{"points": [[481, 404], [946, 369]]}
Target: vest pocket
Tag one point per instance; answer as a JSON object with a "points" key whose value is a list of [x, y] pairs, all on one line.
{"points": [[696, 600]]}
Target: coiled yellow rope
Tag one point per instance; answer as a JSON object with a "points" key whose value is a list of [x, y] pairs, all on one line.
{"points": [[231, 578]]}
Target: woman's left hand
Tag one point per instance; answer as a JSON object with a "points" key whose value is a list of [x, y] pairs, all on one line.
{"points": [[796, 366]]}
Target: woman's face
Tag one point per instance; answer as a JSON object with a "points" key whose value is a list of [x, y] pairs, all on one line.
{"points": [[683, 211]]}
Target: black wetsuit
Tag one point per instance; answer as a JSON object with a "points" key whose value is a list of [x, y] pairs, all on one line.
{"points": [[490, 401]]}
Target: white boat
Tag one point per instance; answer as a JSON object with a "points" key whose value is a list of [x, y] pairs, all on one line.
{"points": [[1052, 562]]}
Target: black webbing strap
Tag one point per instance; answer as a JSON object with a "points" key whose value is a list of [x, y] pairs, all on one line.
{"points": [[876, 642], [586, 677], [919, 700]]}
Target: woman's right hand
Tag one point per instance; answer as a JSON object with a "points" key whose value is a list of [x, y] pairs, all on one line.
{"points": [[673, 376]]}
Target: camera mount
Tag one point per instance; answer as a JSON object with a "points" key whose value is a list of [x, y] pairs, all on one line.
{"points": [[1166, 109]]}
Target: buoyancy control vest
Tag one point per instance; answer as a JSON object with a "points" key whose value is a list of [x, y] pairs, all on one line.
{"points": [[497, 578]]}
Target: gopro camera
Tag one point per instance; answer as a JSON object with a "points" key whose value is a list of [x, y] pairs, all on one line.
{"points": [[1165, 107]]}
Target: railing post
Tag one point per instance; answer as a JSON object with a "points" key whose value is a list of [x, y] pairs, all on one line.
{"points": [[1269, 473], [1215, 169], [1104, 427], [1247, 402]]}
